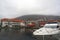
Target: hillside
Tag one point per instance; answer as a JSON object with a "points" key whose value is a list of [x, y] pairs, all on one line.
{"points": [[36, 17]]}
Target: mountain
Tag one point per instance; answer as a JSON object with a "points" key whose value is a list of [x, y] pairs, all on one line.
{"points": [[36, 17]]}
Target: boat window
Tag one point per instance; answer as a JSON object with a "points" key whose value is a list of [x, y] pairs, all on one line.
{"points": [[51, 22], [57, 26]]}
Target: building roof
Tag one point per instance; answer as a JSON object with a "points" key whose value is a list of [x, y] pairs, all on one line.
{"points": [[16, 20], [4, 19], [12, 20]]}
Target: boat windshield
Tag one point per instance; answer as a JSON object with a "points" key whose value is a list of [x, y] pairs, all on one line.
{"points": [[52, 23], [50, 26]]}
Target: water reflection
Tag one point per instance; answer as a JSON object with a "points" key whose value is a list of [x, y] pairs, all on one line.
{"points": [[20, 36]]}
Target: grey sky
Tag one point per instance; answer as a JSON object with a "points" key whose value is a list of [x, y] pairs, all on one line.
{"points": [[14, 8]]}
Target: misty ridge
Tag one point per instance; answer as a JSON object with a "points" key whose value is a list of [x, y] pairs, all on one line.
{"points": [[37, 17]]}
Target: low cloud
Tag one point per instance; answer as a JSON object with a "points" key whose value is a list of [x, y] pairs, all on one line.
{"points": [[15, 8]]}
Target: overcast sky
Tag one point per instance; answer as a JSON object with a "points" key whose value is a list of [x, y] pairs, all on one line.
{"points": [[15, 8]]}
